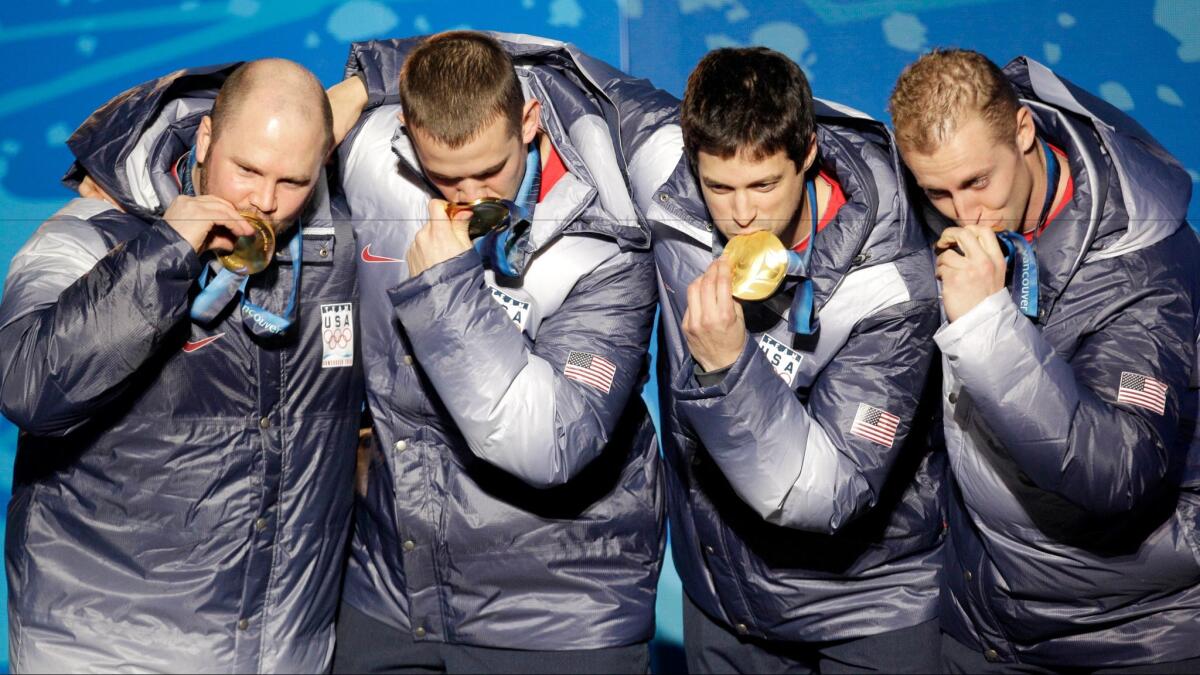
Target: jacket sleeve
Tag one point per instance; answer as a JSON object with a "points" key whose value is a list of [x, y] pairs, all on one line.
{"points": [[377, 63], [78, 320], [1060, 419], [509, 398], [802, 466]]}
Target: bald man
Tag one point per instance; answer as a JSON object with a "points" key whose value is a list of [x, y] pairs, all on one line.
{"points": [[184, 473]]}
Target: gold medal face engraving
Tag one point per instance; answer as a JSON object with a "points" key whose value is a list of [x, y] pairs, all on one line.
{"points": [[251, 255], [759, 263], [487, 214]]}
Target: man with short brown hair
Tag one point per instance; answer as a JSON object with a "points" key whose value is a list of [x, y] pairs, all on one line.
{"points": [[805, 503], [513, 520], [1071, 299]]}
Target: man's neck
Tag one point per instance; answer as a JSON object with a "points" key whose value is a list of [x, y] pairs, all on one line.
{"points": [[545, 147], [802, 222], [1037, 195]]}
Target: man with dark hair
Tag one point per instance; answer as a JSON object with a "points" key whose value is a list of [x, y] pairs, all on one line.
{"points": [[182, 491], [805, 504], [1069, 374], [512, 520]]}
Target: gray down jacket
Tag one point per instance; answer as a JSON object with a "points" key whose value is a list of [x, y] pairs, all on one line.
{"points": [[182, 493], [513, 505], [805, 502], [1074, 524]]}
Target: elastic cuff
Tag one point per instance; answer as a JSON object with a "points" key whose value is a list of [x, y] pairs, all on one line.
{"points": [[710, 378], [688, 386]]}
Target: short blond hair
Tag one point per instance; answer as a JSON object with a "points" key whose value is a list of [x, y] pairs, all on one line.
{"points": [[937, 92]]}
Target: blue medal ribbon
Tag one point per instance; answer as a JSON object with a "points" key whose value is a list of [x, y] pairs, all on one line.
{"points": [[497, 246], [801, 319], [214, 297], [1019, 253]]}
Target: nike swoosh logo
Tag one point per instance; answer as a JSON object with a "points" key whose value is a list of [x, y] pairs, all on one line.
{"points": [[191, 346], [367, 256]]}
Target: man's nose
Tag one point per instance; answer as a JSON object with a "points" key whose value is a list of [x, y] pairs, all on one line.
{"points": [[744, 211], [967, 211], [469, 191], [263, 197]]}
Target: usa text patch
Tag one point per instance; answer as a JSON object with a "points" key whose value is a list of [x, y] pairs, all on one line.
{"points": [[518, 310], [337, 335], [785, 360]]}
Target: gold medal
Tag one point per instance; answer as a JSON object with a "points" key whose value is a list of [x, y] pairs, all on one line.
{"points": [[487, 214], [251, 255], [759, 264]]}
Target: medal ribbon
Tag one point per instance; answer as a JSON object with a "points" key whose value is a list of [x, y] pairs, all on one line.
{"points": [[1019, 254], [497, 246], [214, 297]]}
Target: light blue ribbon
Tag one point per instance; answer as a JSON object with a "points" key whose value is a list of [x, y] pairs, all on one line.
{"points": [[214, 297], [496, 247]]}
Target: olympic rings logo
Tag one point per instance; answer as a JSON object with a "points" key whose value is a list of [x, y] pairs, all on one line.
{"points": [[338, 337]]}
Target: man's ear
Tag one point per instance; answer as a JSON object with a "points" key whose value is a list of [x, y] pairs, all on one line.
{"points": [[1026, 131], [531, 120], [203, 139], [811, 157]]}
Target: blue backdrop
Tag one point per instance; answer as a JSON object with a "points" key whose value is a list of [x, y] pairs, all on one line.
{"points": [[63, 58]]}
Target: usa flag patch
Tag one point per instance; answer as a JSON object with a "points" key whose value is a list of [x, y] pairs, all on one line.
{"points": [[1143, 391], [875, 425], [592, 370]]}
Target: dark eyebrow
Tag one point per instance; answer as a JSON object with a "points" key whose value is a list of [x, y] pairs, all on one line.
{"points": [[762, 181], [768, 179], [482, 174]]}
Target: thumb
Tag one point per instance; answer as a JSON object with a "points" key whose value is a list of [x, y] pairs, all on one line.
{"points": [[460, 225]]}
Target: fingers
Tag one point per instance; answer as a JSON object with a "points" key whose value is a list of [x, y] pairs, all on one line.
{"points": [[695, 310], [723, 291], [710, 298], [949, 238], [437, 211], [223, 213], [989, 244]]}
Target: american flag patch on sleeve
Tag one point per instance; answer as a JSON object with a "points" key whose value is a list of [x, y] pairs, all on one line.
{"points": [[590, 369], [875, 425], [1143, 391]]}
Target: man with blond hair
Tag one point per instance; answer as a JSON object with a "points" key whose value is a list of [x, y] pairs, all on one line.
{"points": [[1070, 294]]}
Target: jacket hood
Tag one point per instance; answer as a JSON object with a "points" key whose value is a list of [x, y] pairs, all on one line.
{"points": [[1154, 188], [128, 146]]}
